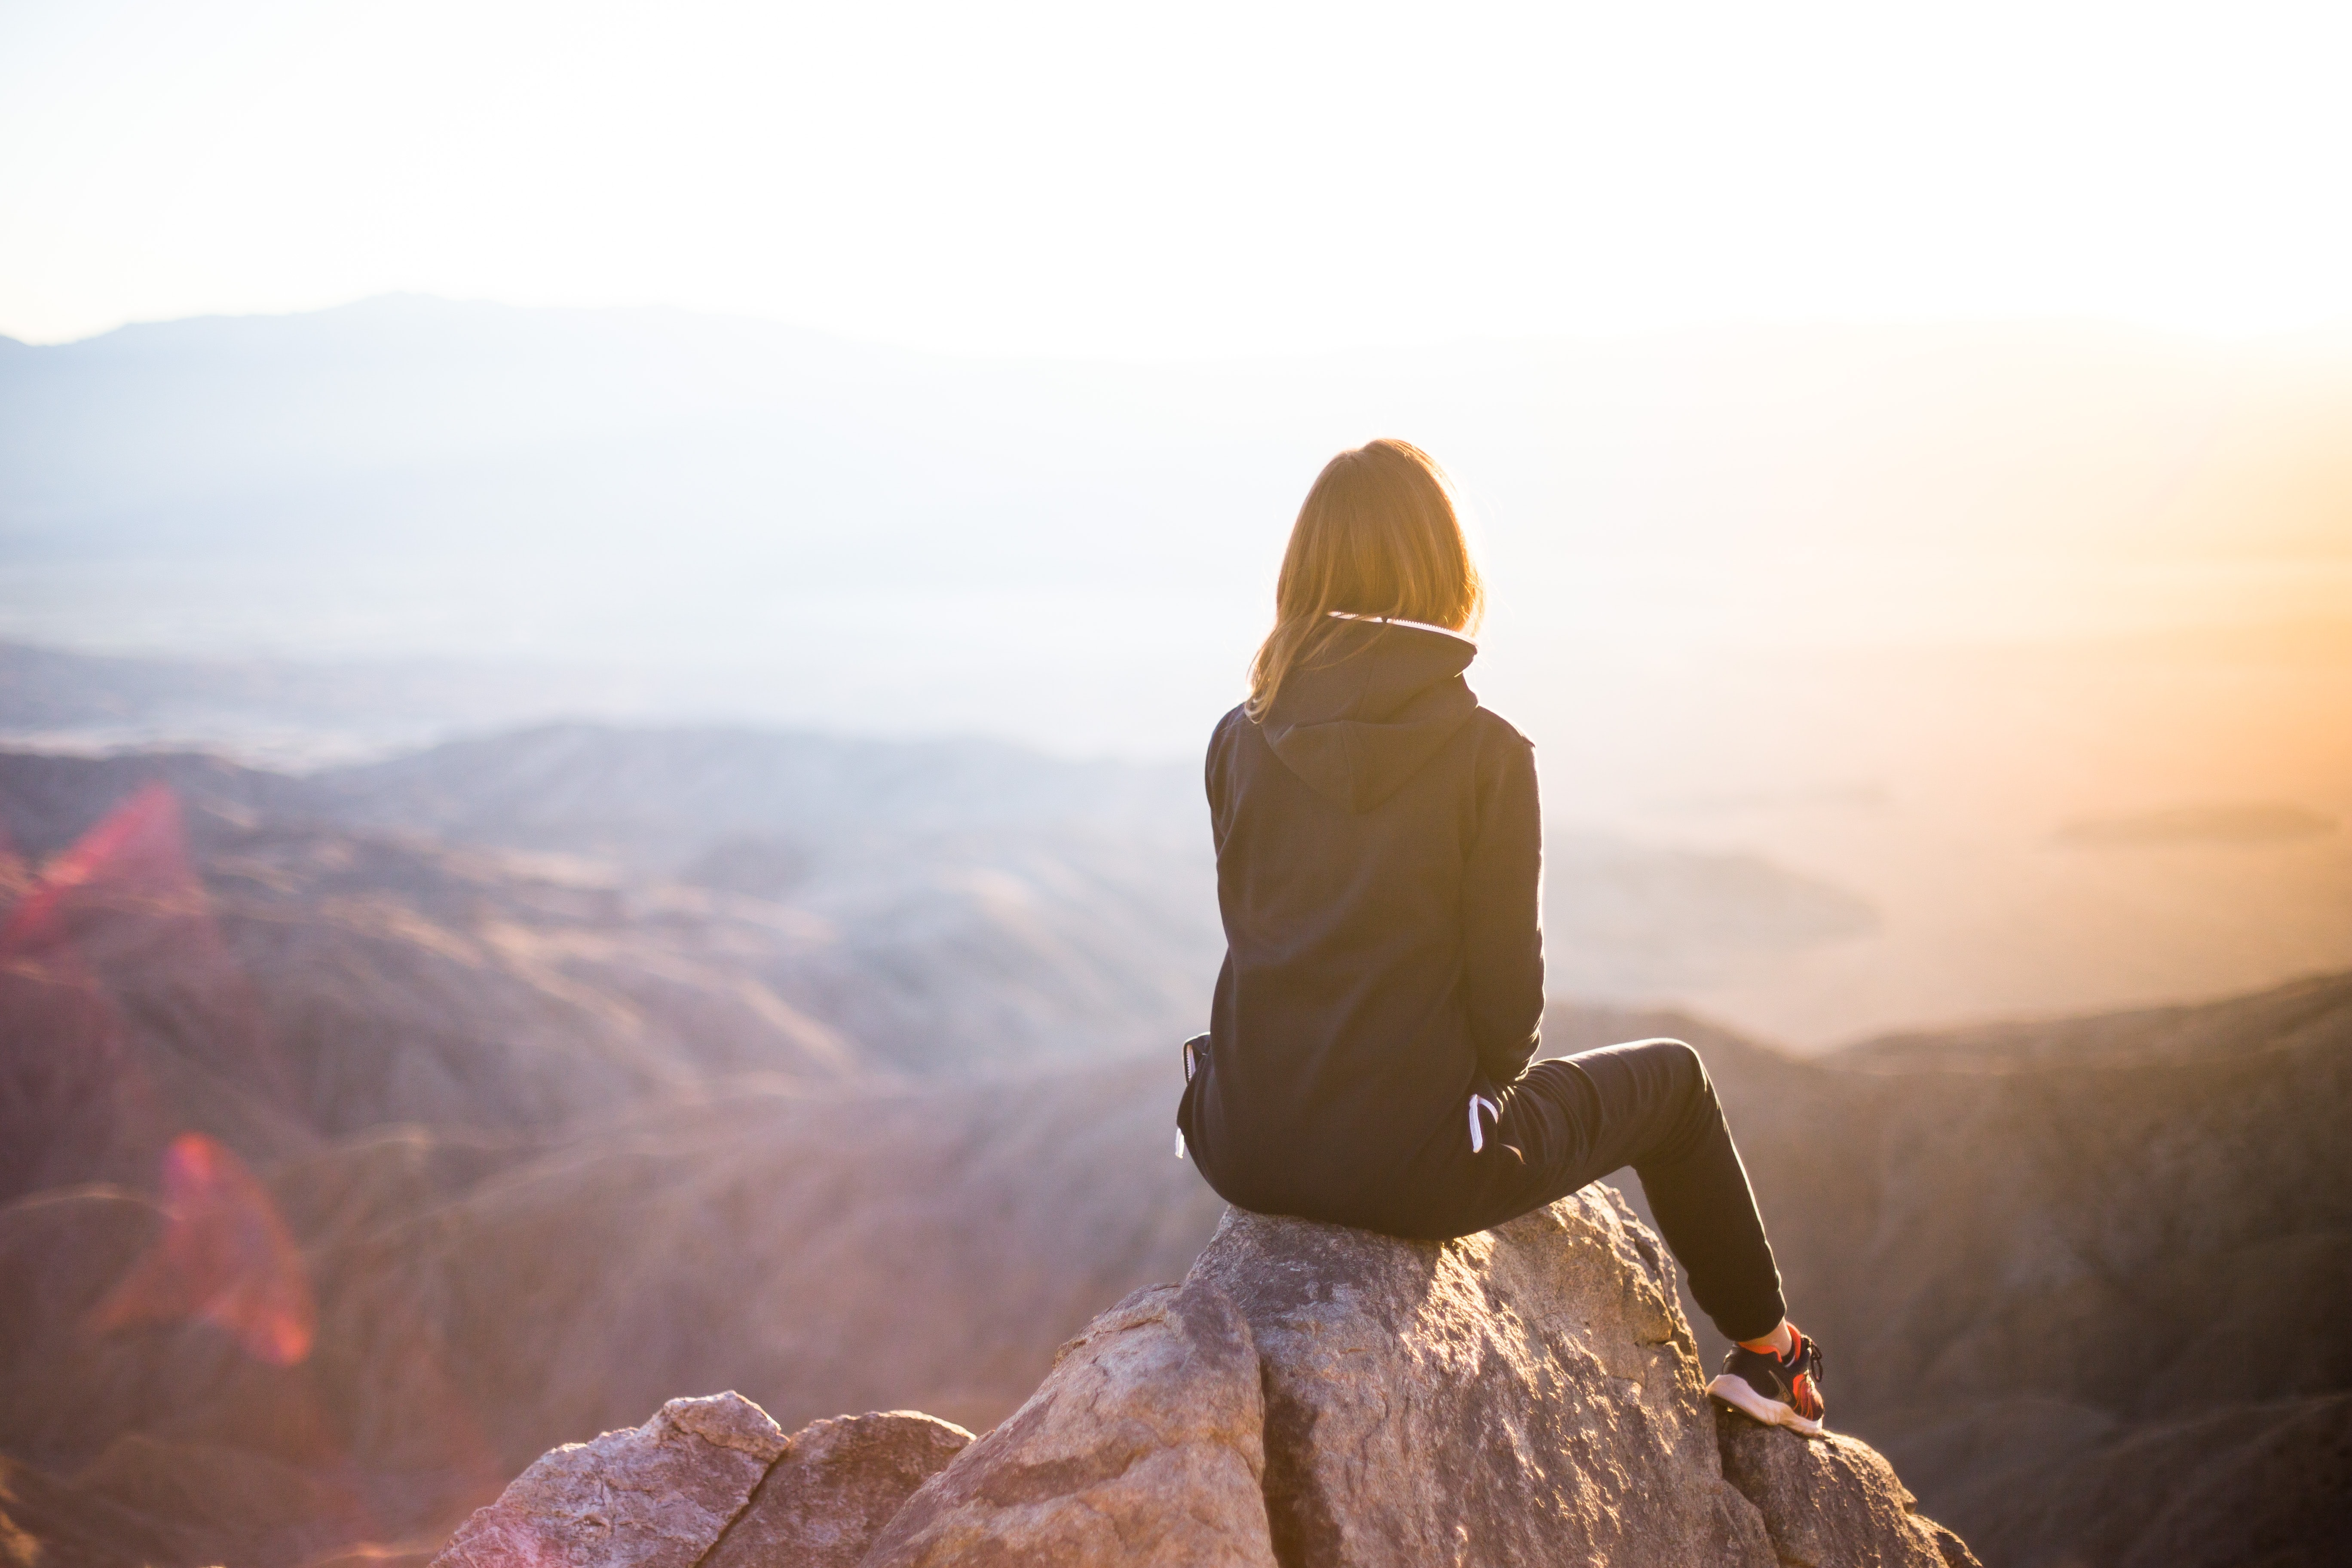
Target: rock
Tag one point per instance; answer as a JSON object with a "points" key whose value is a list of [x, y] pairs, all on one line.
{"points": [[655, 1496], [1525, 1395], [1315, 1396], [1832, 1502], [714, 1482], [1311, 1396], [835, 1487], [1142, 1447]]}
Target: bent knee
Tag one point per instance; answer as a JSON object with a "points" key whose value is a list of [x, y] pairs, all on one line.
{"points": [[1683, 1065]]}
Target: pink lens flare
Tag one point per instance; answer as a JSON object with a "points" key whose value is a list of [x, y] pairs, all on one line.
{"points": [[140, 847], [225, 1257]]}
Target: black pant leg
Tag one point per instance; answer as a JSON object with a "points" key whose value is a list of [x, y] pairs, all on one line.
{"points": [[1659, 1113], [1573, 1120]]}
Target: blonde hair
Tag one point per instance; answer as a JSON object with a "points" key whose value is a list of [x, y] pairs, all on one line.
{"points": [[1377, 536]]}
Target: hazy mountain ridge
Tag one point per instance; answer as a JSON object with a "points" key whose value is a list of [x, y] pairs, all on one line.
{"points": [[654, 798], [824, 532], [970, 933], [410, 387], [2271, 1020], [284, 713], [970, 851]]}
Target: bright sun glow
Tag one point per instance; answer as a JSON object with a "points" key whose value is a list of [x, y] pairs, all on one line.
{"points": [[1180, 181]]}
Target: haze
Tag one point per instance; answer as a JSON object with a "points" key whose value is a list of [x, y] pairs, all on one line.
{"points": [[1213, 179], [1913, 450]]}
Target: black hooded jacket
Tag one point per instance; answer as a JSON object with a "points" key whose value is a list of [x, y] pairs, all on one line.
{"points": [[1379, 853]]}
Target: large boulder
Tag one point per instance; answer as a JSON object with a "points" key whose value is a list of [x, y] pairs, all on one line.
{"points": [[1527, 1394]]}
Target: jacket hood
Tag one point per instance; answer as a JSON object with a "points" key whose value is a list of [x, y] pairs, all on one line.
{"points": [[1378, 703]]}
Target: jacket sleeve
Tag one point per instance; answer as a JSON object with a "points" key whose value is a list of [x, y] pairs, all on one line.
{"points": [[1213, 778], [1502, 919]]}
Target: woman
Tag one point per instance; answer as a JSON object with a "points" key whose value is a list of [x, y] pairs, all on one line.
{"points": [[1368, 1057]]}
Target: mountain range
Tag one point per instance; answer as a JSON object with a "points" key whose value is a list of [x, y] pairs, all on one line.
{"points": [[374, 1129], [1996, 635]]}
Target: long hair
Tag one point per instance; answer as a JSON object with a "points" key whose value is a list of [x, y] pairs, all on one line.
{"points": [[1378, 536]]}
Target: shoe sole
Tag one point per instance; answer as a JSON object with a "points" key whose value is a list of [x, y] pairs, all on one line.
{"points": [[1741, 1395]]}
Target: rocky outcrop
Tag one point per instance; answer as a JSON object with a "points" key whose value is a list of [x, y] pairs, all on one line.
{"points": [[1309, 1395]]}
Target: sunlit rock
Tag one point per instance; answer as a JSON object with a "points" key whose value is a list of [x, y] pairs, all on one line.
{"points": [[835, 1485], [1142, 1447], [1833, 1502], [1311, 1396], [1525, 1395], [655, 1496]]}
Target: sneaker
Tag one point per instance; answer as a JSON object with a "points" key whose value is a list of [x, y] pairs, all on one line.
{"points": [[1776, 1391]]}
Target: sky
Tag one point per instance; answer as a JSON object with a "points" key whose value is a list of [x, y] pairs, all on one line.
{"points": [[1174, 181]]}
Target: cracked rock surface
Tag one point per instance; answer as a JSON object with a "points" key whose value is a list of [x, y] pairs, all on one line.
{"points": [[654, 1496], [1524, 1395], [1142, 1445], [835, 1485]]}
